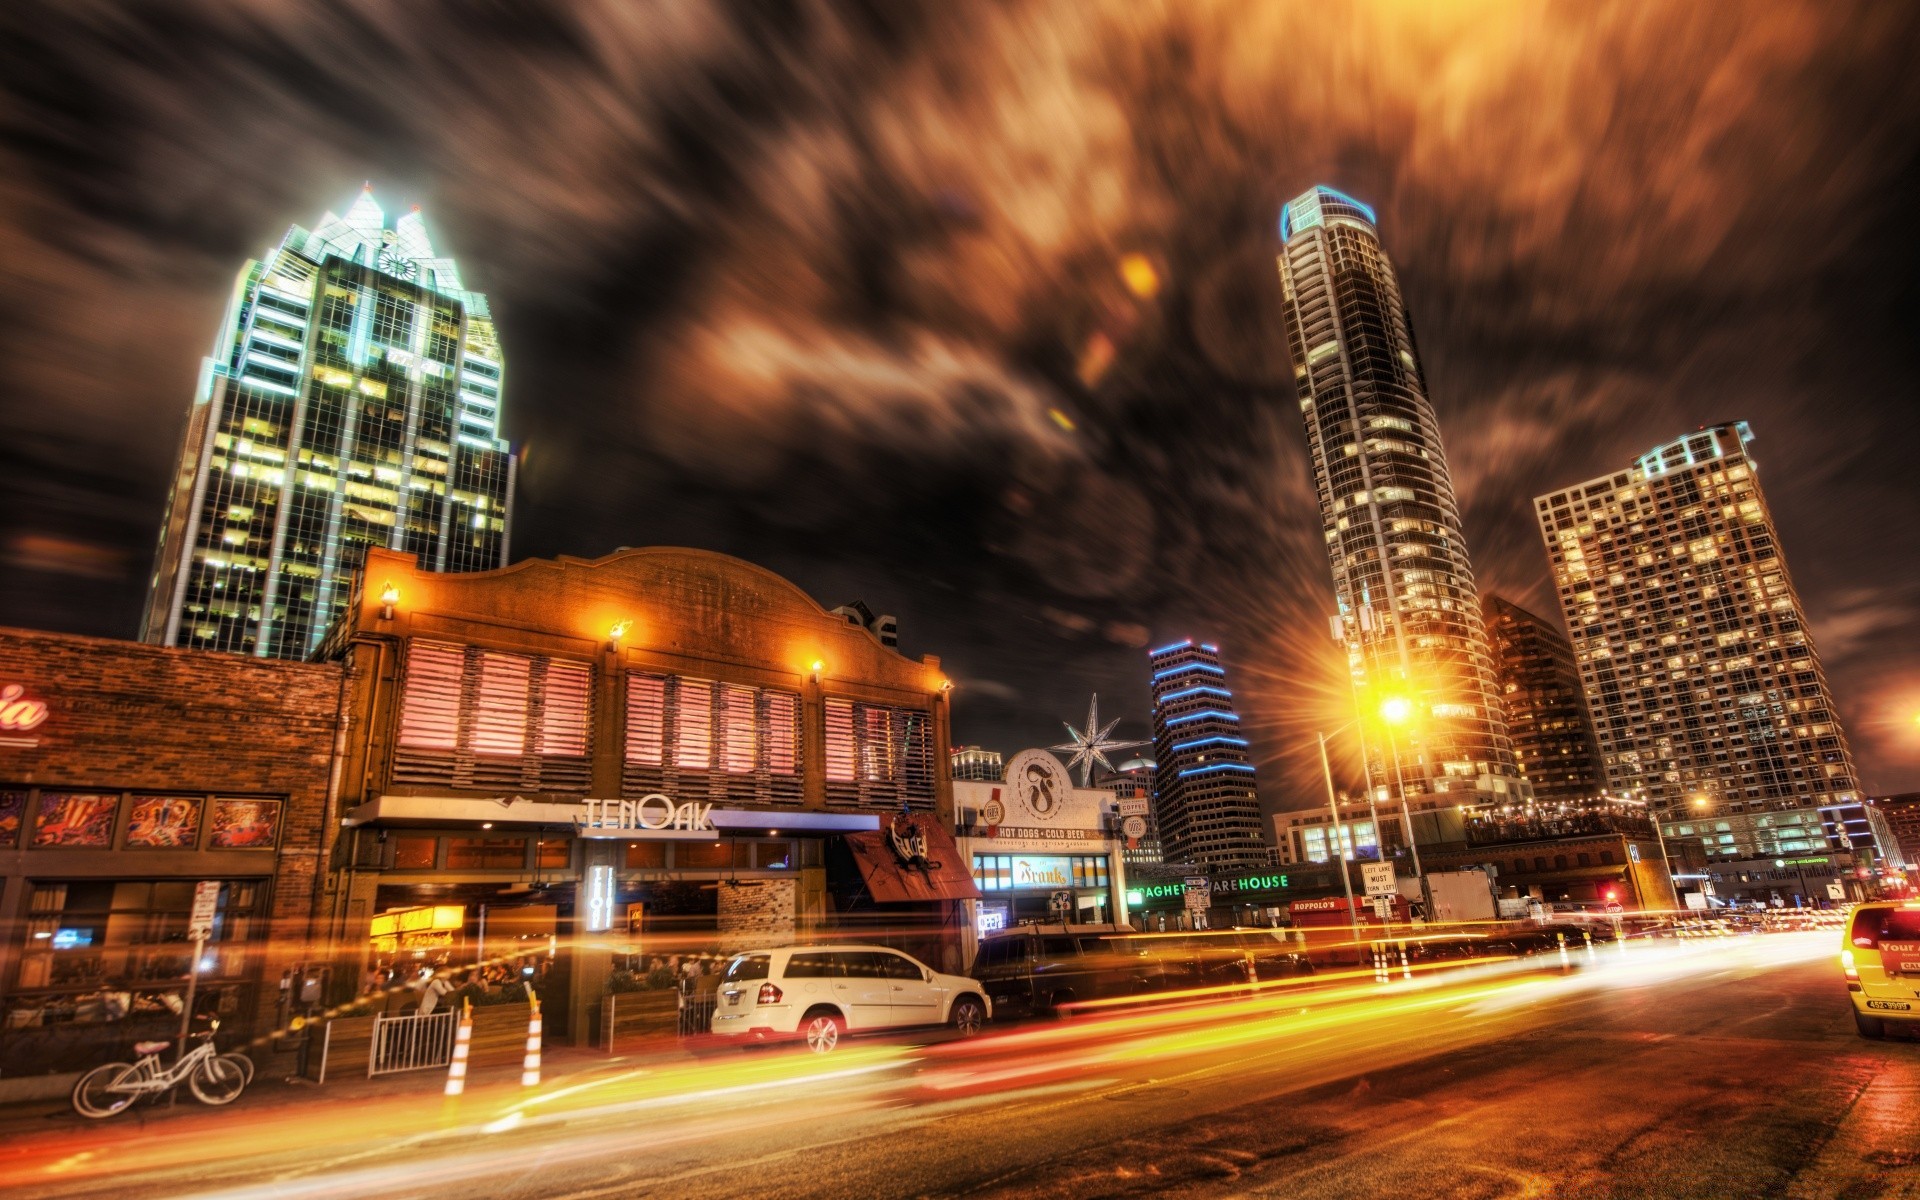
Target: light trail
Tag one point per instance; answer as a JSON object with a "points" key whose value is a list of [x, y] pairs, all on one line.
{"points": [[1321, 1026]]}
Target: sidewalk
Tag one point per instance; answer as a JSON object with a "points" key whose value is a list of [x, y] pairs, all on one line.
{"points": [[271, 1090]]}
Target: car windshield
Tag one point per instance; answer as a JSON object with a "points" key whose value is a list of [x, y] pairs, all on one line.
{"points": [[747, 967]]}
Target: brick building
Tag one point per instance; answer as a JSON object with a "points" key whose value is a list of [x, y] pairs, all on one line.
{"points": [[570, 763], [129, 773]]}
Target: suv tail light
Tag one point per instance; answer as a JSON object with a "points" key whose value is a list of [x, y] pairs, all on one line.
{"points": [[769, 994]]}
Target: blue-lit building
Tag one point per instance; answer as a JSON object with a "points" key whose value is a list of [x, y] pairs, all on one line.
{"points": [[1205, 802], [351, 400]]}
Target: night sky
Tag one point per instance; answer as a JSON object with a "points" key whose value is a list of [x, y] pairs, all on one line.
{"points": [[837, 288]]}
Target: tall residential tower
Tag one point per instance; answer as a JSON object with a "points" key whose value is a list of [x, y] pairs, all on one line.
{"points": [[1540, 690], [1694, 651], [1204, 800], [352, 399], [1409, 615]]}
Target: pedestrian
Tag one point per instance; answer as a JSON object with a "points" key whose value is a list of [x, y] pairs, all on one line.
{"points": [[436, 986]]}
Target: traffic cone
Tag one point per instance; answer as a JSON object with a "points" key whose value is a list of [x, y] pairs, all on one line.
{"points": [[530, 1069], [462, 1038]]}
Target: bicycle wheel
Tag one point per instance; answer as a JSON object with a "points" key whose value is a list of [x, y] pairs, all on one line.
{"points": [[243, 1062], [217, 1081], [93, 1095]]}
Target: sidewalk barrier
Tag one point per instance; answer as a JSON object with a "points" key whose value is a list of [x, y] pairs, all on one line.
{"points": [[415, 1042], [462, 1041], [530, 1068], [1565, 962], [1406, 970]]}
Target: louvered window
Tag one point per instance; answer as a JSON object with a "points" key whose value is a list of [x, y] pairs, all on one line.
{"points": [[486, 720], [723, 743], [878, 756]]}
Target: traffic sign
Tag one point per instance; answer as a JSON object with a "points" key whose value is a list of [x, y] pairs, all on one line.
{"points": [[1379, 878], [206, 895]]}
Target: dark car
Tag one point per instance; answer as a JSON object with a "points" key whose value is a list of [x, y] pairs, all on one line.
{"points": [[1038, 969], [1227, 956]]}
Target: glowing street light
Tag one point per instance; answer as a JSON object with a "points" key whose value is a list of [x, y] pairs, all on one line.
{"points": [[1396, 710]]}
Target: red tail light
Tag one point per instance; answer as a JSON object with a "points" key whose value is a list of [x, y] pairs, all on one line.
{"points": [[769, 994]]}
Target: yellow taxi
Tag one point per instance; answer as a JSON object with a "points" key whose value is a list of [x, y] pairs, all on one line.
{"points": [[1881, 960]]}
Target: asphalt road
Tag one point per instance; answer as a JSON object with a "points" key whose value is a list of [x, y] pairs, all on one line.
{"points": [[1724, 1069]]}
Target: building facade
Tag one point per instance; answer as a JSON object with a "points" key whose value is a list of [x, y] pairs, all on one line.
{"points": [[1041, 850], [352, 400], [1132, 786], [1408, 612], [975, 765], [1546, 714], [130, 776], [1693, 648], [1902, 813], [654, 753], [1204, 798]]}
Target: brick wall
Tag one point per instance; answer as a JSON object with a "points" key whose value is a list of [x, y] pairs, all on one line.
{"points": [[129, 715]]}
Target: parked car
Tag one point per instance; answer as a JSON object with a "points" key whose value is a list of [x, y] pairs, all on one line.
{"points": [[1036, 969], [821, 993], [1880, 957]]}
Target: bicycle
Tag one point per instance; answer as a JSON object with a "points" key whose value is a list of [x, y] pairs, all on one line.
{"points": [[212, 1077]]}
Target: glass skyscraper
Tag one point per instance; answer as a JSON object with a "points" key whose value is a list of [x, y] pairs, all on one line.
{"points": [[1409, 615], [1204, 799], [352, 399], [1694, 650]]}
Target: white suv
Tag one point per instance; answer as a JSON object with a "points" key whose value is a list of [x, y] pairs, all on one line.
{"points": [[823, 992]]}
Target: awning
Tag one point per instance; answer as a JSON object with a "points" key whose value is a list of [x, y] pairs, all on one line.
{"points": [[890, 881]]}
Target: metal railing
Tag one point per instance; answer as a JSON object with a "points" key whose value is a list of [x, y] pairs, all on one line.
{"points": [[411, 1043], [696, 1009]]}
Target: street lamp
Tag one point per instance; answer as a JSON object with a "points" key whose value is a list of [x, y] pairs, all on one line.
{"points": [[1395, 711]]}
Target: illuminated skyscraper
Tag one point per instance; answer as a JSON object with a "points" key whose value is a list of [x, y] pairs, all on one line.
{"points": [[352, 399], [1204, 799], [1546, 716], [1694, 651], [1409, 615]]}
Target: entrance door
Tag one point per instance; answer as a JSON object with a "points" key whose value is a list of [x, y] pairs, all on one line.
{"points": [[915, 1001]]}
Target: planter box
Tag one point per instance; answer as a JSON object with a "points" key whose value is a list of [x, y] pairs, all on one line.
{"points": [[631, 1019]]}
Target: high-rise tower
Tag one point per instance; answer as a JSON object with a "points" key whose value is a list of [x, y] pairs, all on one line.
{"points": [[352, 399], [1204, 799], [1409, 615], [1546, 716], [1694, 651]]}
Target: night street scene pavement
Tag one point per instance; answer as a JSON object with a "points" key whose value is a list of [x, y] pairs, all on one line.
{"points": [[843, 599]]}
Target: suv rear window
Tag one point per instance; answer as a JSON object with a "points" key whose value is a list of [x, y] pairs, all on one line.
{"points": [[747, 967], [1058, 947]]}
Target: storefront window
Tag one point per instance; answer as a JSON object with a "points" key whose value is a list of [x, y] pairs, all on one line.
{"points": [[878, 755], [486, 854], [702, 854], [108, 950], [553, 853], [413, 853], [747, 737], [483, 718], [641, 855]]}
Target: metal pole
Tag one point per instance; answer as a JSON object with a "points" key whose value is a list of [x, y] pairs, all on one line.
{"points": [[1333, 809], [1400, 788], [186, 1010]]}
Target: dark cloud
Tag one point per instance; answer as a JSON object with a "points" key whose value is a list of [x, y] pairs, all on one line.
{"points": [[838, 289]]}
